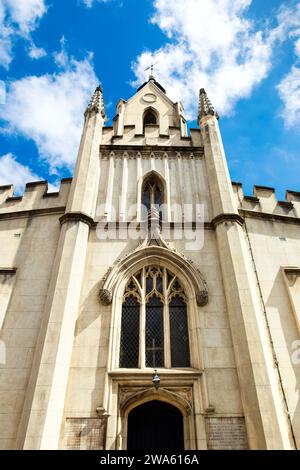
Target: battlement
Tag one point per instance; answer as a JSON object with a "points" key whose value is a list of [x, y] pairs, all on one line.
{"points": [[151, 136], [264, 201], [35, 197]]}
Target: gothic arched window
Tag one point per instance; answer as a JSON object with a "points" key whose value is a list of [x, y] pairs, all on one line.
{"points": [[154, 326], [149, 118], [152, 194]]}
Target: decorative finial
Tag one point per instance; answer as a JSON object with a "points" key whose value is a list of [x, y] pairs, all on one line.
{"points": [[151, 68], [205, 106], [96, 104]]}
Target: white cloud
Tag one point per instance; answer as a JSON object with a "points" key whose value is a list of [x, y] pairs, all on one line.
{"points": [[35, 52], [25, 13], [289, 91], [212, 44], [289, 87], [90, 3], [49, 110], [18, 18], [13, 172]]}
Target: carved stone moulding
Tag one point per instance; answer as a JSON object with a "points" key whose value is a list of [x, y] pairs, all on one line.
{"points": [[180, 396], [156, 255]]}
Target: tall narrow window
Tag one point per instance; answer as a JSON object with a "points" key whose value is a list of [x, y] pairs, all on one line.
{"points": [[152, 195], [154, 297], [154, 333], [180, 352], [149, 118], [130, 328]]}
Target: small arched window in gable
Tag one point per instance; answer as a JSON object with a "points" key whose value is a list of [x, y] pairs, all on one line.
{"points": [[150, 118]]}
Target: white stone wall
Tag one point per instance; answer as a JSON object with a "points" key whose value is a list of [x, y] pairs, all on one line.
{"points": [[183, 172], [88, 381], [32, 254], [276, 245]]}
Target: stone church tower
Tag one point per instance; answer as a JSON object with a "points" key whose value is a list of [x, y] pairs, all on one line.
{"points": [[149, 304]]}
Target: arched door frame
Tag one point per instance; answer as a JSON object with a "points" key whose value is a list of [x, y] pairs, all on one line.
{"points": [[166, 397]]}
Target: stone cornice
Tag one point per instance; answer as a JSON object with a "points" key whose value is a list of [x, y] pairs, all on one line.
{"points": [[76, 217], [291, 271], [7, 271], [151, 148], [32, 213], [173, 225], [266, 216], [227, 218]]}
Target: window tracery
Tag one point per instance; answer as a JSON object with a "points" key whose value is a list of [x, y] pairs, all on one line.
{"points": [[154, 326]]}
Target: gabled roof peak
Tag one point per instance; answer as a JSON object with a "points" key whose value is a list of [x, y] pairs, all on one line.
{"points": [[152, 80]]}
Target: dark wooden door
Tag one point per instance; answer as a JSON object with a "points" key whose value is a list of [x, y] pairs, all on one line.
{"points": [[155, 426]]}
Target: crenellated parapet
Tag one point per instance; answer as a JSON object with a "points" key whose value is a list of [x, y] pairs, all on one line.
{"points": [[264, 201], [36, 197], [151, 136]]}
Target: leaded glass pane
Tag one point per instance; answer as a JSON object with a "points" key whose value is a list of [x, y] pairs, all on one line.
{"points": [[146, 200], [157, 197], [154, 333], [180, 351], [130, 328], [149, 285], [159, 284]]}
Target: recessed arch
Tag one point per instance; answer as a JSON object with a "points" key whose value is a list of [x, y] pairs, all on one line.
{"points": [[149, 394], [153, 175], [190, 276], [150, 117], [155, 425], [179, 400]]}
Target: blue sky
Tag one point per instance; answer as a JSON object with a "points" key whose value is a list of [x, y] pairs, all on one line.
{"points": [[245, 53]]}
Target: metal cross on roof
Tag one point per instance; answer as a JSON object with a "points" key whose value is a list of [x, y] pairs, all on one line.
{"points": [[151, 68]]}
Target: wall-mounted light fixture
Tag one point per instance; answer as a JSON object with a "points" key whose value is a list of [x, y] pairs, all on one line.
{"points": [[156, 380]]}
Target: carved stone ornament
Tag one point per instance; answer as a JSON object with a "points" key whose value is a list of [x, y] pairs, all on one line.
{"points": [[105, 296], [202, 298], [158, 255]]}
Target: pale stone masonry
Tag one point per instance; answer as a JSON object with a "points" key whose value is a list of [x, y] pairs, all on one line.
{"points": [[62, 286]]}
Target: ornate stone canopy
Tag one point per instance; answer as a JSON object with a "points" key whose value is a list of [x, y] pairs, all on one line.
{"points": [[154, 254]]}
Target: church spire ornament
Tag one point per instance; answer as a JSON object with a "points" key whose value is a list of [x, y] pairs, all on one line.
{"points": [[96, 104], [205, 106]]}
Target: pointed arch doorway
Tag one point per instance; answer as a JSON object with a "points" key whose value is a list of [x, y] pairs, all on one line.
{"points": [[155, 425]]}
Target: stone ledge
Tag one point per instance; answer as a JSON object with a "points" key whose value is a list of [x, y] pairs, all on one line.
{"points": [[227, 218], [32, 213], [7, 271], [153, 148], [267, 216], [77, 217]]}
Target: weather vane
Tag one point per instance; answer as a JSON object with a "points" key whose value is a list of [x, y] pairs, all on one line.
{"points": [[151, 67]]}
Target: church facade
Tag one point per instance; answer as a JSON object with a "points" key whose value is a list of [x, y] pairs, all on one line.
{"points": [[149, 304]]}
